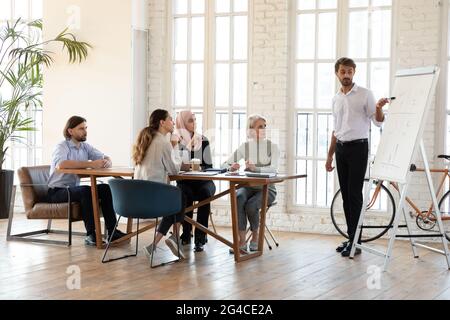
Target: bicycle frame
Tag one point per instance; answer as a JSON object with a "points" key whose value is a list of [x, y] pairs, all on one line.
{"points": [[423, 214]]}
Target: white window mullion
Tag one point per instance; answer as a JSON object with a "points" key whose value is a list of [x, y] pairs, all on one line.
{"points": [[314, 113], [369, 44], [250, 87], [394, 29], [230, 100], [209, 91], [315, 157], [13, 9], [189, 55], [231, 73], [292, 121], [343, 30]]}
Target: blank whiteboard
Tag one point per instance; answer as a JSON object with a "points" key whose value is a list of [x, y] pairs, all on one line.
{"points": [[405, 122]]}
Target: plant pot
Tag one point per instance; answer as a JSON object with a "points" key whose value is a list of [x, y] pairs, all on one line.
{"points": [[6, 185]]}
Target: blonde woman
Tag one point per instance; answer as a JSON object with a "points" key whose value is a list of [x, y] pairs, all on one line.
{"points": [[260, 155], [156, 159]]}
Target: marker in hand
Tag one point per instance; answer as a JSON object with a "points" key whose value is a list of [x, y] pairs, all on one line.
{"points": [[382, 102], [392, 98]]}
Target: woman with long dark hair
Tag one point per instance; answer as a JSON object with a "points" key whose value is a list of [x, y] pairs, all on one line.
{"points": [[155, 159]]}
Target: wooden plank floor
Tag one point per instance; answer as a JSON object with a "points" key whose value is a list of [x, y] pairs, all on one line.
{"points": [[305, 266]]}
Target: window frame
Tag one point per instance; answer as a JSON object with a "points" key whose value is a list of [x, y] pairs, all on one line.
{"points": [[230, 110], [14, 153], [209, 61], [209, 109], [342, 35], [189, 61], [315, 112]]}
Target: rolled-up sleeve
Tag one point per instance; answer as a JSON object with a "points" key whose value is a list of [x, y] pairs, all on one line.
{"points": [[274, 160], [371, 109], [60, 154], [94, 154]]}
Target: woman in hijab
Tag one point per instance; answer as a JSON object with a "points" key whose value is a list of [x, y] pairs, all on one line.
{"points": [[196, 146]]}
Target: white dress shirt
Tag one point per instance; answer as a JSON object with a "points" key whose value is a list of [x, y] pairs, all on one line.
{"points": [[352, 114], [160, 161]]}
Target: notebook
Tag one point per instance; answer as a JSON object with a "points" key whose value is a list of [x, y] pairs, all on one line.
{"points": [[260, 175], [215, 170], [199, 173]]}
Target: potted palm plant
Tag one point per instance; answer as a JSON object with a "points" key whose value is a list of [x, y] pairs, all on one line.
{"points": [[22, 57]]}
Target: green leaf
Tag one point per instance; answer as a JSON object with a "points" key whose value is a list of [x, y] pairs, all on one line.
{"points": [[21, 69]]}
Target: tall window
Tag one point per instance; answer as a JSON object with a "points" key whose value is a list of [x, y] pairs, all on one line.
{"points": [[30, 151], [188, 61], [230, 76], [318, 45], [210, 68], [315, 87], [369, 42]]}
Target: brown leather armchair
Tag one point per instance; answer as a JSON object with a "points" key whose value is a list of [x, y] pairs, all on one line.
{"points": [[33, 183]]}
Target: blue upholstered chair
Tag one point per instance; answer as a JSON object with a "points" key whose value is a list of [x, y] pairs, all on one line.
{"points": [[140, 199]]}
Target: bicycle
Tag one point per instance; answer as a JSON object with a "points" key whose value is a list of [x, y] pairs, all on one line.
{"points": [[381, 209]]}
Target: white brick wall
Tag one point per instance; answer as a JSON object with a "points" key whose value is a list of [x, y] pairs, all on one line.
{"points": [[417, 43]]}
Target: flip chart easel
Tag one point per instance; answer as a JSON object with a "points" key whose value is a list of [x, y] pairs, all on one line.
{"points": [[414, 90]]}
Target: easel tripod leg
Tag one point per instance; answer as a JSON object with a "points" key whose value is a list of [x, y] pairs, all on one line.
{"points": [[413, 242], [435, 203], [393, 234]]}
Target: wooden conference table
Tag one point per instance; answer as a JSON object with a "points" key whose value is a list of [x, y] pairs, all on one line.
{"points": [[93, 174], [235, 183]]}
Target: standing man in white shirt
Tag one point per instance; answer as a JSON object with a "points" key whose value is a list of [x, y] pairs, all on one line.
{"points": [[354, 108]]}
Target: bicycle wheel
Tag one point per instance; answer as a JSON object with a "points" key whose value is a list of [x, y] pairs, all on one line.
{"points": [[444, 208], [378, 219]]}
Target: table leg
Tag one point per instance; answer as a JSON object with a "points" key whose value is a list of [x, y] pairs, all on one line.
{"points": [[98, 227], [234, 221], [203, 228], [130, 225], [262, 224]]}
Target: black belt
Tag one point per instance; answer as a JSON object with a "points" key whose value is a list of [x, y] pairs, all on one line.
{"points": [[349, 143]]}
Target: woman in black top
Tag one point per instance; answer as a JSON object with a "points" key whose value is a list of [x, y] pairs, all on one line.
{"points": [[195, 146]]}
